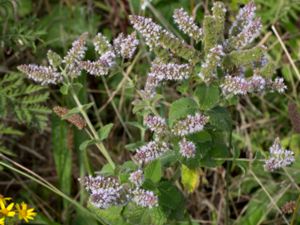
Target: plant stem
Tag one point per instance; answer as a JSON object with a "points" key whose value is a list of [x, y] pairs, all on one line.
{"points": [[99, 144]]}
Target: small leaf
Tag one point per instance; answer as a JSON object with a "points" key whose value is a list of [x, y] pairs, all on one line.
{"points": [[190, 178], [208, 96], [77, 87], [64, 89], [104, 131], [220, 118], [86, 143], [153, 171]]}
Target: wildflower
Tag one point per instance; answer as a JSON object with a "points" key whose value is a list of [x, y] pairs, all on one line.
{"points": [[213, 60], [42, 74], [278, 85], [2, 220], [145, 198], [187, 148], [24, 213], [150, 87], [7, 211], [137, 177], [247, 35], [4, 199], [244, 17], [105, 191], [75, 55], [126, 46], [101, 44], [187, 24], [149, 30], [279, 157], [289, 207], [235, 85], [74, 119], [156, 124], [257, 83], [191, 124], [151, 151], [170, 71], [96, 68]]}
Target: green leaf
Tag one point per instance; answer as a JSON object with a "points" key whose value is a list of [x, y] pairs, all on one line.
{"points": [[104, 131], [144, 216], [208, 96], [64, 89], [83, 146], [111, 215], [171, 200], [181, 108], [62, 155], [153, 171], [220, 118], [77, 87]]}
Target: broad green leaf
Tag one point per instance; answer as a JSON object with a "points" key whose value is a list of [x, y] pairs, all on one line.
{"points": [[104, 131], [181, 108], [208, 96], [190, 178], [220, 118], [153, 171], [110, 215], [171, 200], [144, 216]]}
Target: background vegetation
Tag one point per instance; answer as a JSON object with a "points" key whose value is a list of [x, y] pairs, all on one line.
{"points": [[40, 158]]}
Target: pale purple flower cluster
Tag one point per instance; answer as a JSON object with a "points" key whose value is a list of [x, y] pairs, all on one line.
{"points": [[156, 124], [149, 30], [41, 74], [75, 55], [239, 85], [235, 85], [164, 71], [101, 44], [213, 60], [145, 198], [137, 177], [151, 151], [246, 27], [187, 148], [191, 124], [106, 60], [105, 191], [278, 85], [187, 24], [279, 157], [170, 71], [125, 46], [257, 83], [245, 15]]}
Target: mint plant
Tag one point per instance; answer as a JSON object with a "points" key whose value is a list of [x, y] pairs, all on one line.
{"points": [[185, 104]]}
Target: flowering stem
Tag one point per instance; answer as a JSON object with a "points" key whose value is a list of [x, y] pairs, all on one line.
{"points": [[99, 144]]}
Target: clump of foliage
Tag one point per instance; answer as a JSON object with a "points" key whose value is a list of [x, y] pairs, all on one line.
{"points": [[191, 126]]}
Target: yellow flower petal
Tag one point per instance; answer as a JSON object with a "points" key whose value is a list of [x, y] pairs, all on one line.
{"points": [[10, 206]]}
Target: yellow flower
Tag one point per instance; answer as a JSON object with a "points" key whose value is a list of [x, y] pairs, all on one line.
{"points": [[7, 211], [4, 199], [2, 221], [25, 213]]}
